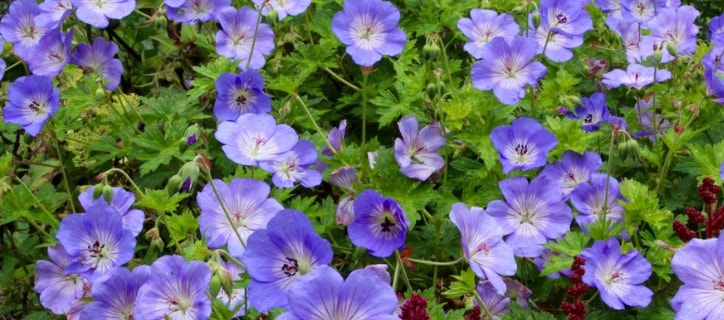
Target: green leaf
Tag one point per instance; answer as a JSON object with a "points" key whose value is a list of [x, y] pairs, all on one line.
{"points": [[160, 201], [709, 159], [642, 205], [464, 285], [180, 226], [572, 244]]}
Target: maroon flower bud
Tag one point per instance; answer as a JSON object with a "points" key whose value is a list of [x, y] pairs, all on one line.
{"points": [[682, 231], [414, 308], [695, 215]]}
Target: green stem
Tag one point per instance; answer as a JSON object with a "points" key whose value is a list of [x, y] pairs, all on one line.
{"points": [[317, 127], [124, 174], [482, 305], [404, 272], [223, 207], [396, 276], [365, 75], [436, 263], [446, 66], [253, 41], [608, 177], [143, 14], [40, 204], [340, 79], [233, 260], [62, 168], [13, 65]]}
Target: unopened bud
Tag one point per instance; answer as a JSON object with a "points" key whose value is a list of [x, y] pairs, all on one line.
{"points": [[108, 193], [100, 92], [673, 50], [657, 53], [97, 191], [536, 20], [173, 184], [189, 173], [215, 285]]}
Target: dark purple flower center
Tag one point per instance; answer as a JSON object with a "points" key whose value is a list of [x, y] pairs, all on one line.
{"points": [[570, 176], [588, 118], [387, 224], [521, 149], [562, 18], [96, 250], [290, 269], [34, 105]]}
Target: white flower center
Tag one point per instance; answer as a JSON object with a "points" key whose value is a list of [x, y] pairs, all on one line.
{"points": [[367, 32]]}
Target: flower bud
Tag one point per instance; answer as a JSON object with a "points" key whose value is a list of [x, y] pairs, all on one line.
{"points": [[108, 193], [673, 50], [173, 184], [97, 191], [100, 92], [192, 134], [536, 20], [189, 174], [657, 53], [215, 285]]}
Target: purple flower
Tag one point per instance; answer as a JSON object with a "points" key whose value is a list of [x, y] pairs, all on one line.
{"points": [[617, 276], [483, 26], [2, 66], [640, 11], [507, 68], [495, 301], [52, 53], [531, 214], [565, 16], [115, 292], [255, 137], [712, 69], [522, 145], [240, 93], [283, 7], [324, 295], [277, 256], [369, 29], [629, 32], [344, 214], [335, 137], [721, 171], [95, 241], [699, 266], [18, 26], [380, 225], [97, 13], [646, 119], [58, 291], [235, 38], [716, 27], [593, 111], [32, 100], [293, 166], [482, 242], [99, 58], [53, 13], [191, 11], [573, 169], [636, 76], [343, 177], [176, 290], [557, 45], [591, 199], [121, 203], [249, 206], [416, 152], [675, 26]]}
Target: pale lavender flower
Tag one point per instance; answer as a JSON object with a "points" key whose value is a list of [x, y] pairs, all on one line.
{"points": [[283, 8], [255, 137], [95, 241], [176, 290], [293, 166], [416, 152], [483, 26], [557, 45], [380, 271], [52, 53], [324, 295], [343, 177], [344, 214], [618, 277], [482, 242], [636, 76], [2, 67], [53, 13], [629, 32], [240, 93], [565, 16], [97, 13], [522, 145], [278, 256], [380, 225], [593, 111], [645, 117], [573, 169], [18, 27], [249, 207], [191, 11], [713, 67], [716, 28], [531, 214], [99, 58], [58, 290], [335, 137], [508, 68], [496, 302], [369, 30], [32, 100], [590, 199], [675, 26], [698, 264], [640, 11], [114, 293], [121, 202], [235, 38]]}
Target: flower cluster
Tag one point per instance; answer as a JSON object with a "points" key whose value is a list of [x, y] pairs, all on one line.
{"points": [[709, 222], [577, 309]]}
